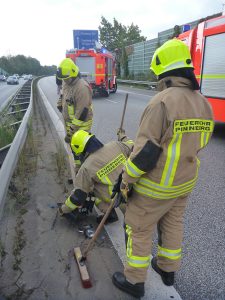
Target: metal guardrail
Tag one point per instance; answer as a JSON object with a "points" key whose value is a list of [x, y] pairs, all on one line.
{"points": [[150, 84], [10, 153]]}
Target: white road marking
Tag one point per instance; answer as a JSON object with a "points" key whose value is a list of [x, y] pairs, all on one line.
{"points": [[128, 92], [111, 101]]}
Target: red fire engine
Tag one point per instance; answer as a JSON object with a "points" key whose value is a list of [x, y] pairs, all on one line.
{"points": [[207, 45], [97, 67]]}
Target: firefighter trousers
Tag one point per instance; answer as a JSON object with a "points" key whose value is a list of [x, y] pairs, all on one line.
{"points": [[142, 215]]}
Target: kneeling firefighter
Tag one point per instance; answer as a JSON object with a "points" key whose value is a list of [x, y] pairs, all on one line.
{"points": [[101, 166], [163, 168]]}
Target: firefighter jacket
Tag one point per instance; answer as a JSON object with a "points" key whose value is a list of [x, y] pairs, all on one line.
{"points": [[176, 124], [77, 105], [99, 172]]}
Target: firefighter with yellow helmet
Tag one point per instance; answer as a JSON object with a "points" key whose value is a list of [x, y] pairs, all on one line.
{"points": [[101, 166], [162, 169], [76, 101]]}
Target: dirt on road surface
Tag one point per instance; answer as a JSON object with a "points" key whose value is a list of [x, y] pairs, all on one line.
{"points": [[36, 244]]}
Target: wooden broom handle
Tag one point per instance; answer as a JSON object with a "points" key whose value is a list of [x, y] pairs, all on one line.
{"points": [[124, 109], [99, 228]]}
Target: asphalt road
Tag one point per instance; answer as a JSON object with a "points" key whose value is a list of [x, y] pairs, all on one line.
{"points": [[6, 91], [108, 111], [203, 266]]}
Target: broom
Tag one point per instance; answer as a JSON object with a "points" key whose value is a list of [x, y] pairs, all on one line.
{"points": [[85, 278]]}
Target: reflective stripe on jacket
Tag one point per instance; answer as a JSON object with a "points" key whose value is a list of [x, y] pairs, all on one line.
{"points": [[101, 169], [77, 96]]}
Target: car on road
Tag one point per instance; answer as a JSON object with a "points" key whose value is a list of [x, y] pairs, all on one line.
{"points": [[2, 77], [12, 80], [28, 77]]}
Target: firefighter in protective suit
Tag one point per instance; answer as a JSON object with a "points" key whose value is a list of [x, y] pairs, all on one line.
{"points": [[75, 102], [101, 167], [163, 168]]}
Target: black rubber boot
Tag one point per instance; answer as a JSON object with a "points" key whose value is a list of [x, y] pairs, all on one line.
{"points": [[137, 290], [167, 277], [111, 218]]}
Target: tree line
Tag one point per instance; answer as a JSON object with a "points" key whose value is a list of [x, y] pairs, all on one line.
{"points": [[21, 64], [114, 36]]}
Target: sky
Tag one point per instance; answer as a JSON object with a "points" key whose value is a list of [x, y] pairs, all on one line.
{"points": [[43, 29]]}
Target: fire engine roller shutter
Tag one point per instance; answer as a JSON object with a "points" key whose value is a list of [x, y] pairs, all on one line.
{"points": [[110, 68], [213, 72], [87, 67]]}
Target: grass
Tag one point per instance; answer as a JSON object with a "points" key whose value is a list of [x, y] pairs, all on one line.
{"points": [[60, 160], [19, 114], [7, 135], [19, 243], [28, 156], [8, 132], [27, 162]]}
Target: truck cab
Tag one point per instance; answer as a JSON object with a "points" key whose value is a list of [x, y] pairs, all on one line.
{"points": [[97, 67]]}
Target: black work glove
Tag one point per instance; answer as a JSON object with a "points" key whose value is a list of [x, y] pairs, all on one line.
{"points": [[116, 187], [87, 207], [121, 191], [119, 199]]}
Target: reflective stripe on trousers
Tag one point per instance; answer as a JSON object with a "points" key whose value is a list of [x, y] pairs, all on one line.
{"points": [[168, 253], [133, 260]]}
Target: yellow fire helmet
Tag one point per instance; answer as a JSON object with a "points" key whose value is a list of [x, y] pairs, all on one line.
{"points": [[67, 69], [173, 54], [79, 141]]}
